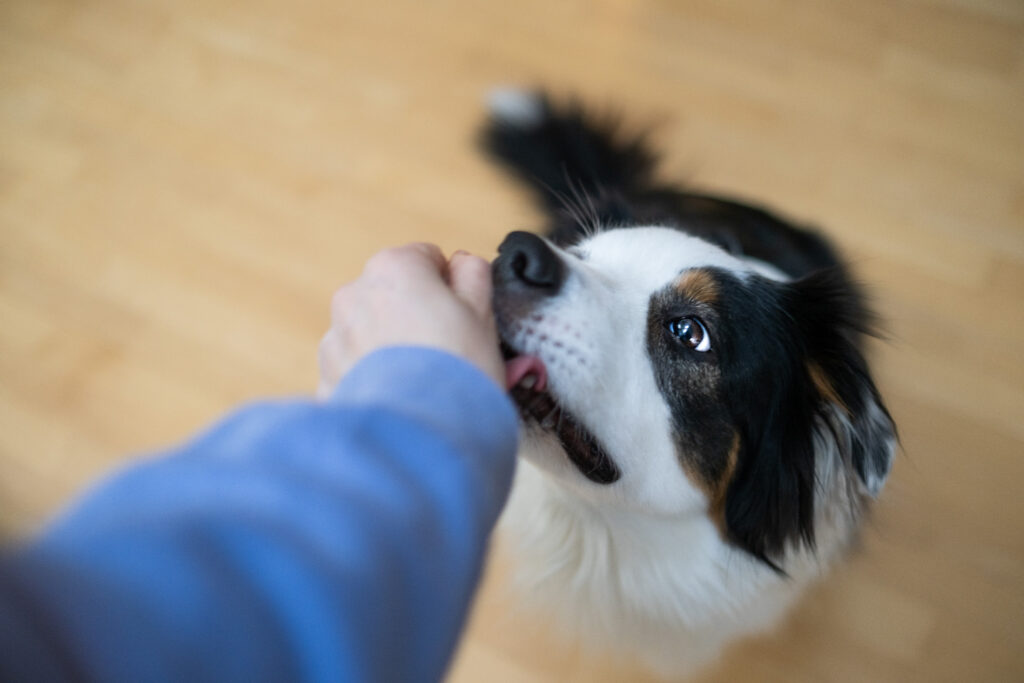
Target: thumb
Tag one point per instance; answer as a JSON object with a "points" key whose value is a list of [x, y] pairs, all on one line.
{"points": [[470, 278]]}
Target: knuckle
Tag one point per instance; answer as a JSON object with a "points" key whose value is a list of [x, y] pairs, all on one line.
{"points": [[431, 250], [421, 253], [379, 261], [395, 258], [398, 262]]}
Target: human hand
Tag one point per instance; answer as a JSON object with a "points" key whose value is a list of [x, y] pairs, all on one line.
{"points": [[411, 296]]}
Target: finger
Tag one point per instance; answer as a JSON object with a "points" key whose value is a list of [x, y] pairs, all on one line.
{"points": [[471, 281], [432, 252], [418, 259]]}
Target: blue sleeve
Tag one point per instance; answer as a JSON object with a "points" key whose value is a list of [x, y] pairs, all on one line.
{"points": [[337, 541]]}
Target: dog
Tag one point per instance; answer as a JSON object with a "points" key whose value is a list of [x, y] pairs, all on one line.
{"points": [[701, 434]]}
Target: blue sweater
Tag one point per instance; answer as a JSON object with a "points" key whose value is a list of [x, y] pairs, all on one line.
{"points": [[294, 541]]}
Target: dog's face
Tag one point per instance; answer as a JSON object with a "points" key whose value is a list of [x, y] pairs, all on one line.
{"points": [[673, 378]]}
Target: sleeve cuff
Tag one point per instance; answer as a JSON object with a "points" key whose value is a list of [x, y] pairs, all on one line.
{"points": [[439, 388]]}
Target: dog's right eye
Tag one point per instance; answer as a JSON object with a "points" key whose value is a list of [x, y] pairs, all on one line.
{"points": [[691, 332]]}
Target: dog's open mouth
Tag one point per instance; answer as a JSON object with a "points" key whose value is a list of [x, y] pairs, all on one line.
{"points": [[526, 379]]}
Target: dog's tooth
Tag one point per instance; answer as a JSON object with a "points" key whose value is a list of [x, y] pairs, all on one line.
{"points": [[551, 419], [528, 381]]}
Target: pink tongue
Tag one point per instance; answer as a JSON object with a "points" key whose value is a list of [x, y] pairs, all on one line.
{"points": [[521, 366]]}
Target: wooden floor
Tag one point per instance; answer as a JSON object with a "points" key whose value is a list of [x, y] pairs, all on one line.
{"points": [[183, 183]]}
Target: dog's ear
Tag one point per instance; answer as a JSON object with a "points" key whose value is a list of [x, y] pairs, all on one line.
{"points": [[812, 392], [834, 319]]}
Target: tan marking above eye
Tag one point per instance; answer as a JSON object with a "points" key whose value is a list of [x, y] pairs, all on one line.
{"points": [[698, 285]]}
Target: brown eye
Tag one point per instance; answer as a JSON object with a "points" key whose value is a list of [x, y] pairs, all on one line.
{"points": [[691, 332]]}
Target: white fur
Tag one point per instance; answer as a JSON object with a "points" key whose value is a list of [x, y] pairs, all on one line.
{"points": [[515, 107], [638, 567]]}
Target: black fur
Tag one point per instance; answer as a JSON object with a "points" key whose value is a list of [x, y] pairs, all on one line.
{"points": [[779, 332], [833, 318], [774, 405], [585, 171], [784, 351]]}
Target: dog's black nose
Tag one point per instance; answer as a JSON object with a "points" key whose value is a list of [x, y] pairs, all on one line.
{"points": [[525, 259]]}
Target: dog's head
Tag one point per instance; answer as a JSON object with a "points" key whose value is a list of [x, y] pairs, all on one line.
{"points": [[655, 371]]}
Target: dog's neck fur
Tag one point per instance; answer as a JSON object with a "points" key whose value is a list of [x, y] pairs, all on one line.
{"points": [[668, 589]]}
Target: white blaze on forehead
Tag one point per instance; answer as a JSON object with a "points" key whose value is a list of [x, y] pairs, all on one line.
{"points": [[650, 258]]}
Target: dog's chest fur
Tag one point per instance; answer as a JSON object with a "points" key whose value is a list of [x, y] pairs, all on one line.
{"points": [[668, 592]]}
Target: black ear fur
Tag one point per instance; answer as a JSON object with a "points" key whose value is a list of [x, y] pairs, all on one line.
{"points": [[810, 334], [837, 319]]}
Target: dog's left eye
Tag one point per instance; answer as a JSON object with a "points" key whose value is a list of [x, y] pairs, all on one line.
{"points": [[691, 332]]}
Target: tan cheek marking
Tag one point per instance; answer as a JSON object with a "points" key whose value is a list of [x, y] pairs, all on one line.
{"points": [[716, 490], [824, 385], [717, 497], [698, 285]]}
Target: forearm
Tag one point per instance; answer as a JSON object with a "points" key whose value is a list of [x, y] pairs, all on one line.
{"points": [[337, 541]]}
